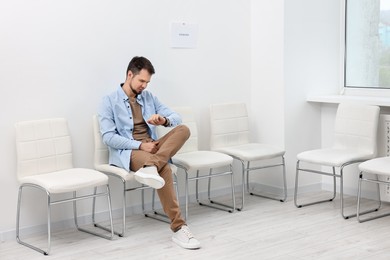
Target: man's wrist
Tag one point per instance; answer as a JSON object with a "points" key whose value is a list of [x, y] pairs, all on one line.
{"points": [[167, 123]]}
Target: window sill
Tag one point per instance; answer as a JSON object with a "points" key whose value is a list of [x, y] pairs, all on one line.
{"points": [[337, 99]]}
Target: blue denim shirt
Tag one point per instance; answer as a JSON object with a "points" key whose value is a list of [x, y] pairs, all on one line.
{"points": [[116, 123]]}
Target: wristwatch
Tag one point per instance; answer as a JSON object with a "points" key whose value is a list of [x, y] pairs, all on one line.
{"points": [[167, 122]]}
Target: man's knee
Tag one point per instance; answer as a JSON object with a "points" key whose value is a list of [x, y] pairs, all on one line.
{"points": [[184, 130]]}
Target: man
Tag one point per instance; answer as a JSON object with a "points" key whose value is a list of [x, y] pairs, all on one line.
{"points": [[128, 119]]}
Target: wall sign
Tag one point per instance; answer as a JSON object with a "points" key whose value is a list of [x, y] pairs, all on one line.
{"points": [[184, 35]]}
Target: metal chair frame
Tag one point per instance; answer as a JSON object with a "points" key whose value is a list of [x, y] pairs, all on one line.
{"points": [[211, 202], [378, 182], [74, 199], [247, 169], [334, 175]]}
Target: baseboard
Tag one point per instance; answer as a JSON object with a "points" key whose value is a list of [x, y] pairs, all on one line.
{"points": [[367, 194]]}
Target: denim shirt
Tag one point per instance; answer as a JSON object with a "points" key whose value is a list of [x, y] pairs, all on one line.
{"points": [[116, 123]]}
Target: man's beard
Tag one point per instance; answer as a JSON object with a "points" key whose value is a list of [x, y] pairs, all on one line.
{"points": [[134, 91]]}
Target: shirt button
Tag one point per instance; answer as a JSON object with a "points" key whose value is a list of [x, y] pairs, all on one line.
{"points": [[131, 129], [131, 118]]}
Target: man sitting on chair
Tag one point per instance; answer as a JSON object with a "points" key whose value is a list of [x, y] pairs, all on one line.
{"points": [[128, 118]]}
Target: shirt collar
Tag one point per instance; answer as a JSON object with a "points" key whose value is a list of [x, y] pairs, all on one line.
{"points": [[123, 95]]}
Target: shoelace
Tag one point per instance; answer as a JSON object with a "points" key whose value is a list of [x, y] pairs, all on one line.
{"points": [[187, 232]]}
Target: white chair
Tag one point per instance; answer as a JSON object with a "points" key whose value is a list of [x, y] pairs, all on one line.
{"points": [[126, 178], [44, 162], [229, 124], [355, 140], [369, 172], [189, 158]]}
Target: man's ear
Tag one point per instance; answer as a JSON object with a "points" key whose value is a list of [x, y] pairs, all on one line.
{"points": [[129, 74]]}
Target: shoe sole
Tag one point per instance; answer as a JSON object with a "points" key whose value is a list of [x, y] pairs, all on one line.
{"points": [[156, 183], [183, 245]]}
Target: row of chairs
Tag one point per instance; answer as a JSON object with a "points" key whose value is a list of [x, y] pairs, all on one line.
{"points": [[230, 140], [44, 161]]}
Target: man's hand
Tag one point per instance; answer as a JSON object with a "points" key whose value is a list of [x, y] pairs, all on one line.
{"points": [[151, 147], [156, 119]]}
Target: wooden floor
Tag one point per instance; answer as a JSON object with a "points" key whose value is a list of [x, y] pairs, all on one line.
{"points": [[266, 229]]}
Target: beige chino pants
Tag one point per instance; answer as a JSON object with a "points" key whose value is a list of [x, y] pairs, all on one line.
{"points": [[168, 146]]}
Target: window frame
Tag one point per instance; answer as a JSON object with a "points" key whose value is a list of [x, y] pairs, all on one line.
{"points": [[354, 90]]}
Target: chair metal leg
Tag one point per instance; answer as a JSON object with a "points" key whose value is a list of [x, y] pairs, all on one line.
{"points": [[157, 215], [122, 232], [313, 171], [186, 195], [118, 233], [242, 185], [212, 203], [124, 203], [334, 175], [283, 199], [197, 188], [342, 199], [18, 239], [215, 204], [245, 170], [284, 180], [106, 194], [358, 212], [233, 188]]}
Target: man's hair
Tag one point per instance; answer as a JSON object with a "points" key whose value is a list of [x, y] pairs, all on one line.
{"points": [[138, 63]]}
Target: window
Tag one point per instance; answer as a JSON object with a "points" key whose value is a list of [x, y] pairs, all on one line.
{"points": [[367, 44]]}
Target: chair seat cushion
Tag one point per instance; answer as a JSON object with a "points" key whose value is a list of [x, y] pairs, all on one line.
{"points": [[122, 173], [252, 151], [376, 166], [202, 160], [114, 170], [67, 180], [333, 157]]}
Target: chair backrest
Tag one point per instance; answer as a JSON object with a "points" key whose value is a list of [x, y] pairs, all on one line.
{"points": [[42, 146], [101, 153], [229, 125], [188, 119], [356, 127]]}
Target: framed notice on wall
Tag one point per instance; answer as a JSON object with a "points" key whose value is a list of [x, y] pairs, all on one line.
{"points": [[184, 35]]}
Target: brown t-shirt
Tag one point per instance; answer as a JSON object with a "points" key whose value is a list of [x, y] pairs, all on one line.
{"points": [[140, 130]]}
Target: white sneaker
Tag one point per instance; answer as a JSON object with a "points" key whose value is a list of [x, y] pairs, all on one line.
{"points": [[184, 238], [150, 177]]}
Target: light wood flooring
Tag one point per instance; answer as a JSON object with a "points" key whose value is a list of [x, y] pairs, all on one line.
{"points": [[266, 229]]}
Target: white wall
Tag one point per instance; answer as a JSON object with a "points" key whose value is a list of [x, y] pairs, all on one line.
{"points": [[267, 86], [58, 58], [267, 91], [312, 66]]}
